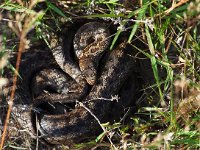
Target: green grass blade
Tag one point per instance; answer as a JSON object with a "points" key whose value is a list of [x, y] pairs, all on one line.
{"points": [[55, 9], [135, 26], [111, 15], [16, 8], [153, 61], [149, 40], [115, 38]]}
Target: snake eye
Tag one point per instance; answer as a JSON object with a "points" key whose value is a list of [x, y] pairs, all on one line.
{"points": [[90, 40]]}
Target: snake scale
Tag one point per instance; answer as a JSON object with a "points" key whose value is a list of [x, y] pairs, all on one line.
{"points": [[77, 69]]}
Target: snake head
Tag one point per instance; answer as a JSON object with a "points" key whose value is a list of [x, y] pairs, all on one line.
{"points": [[88, 69]]}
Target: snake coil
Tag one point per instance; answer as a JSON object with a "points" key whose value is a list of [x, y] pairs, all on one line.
{"points": [[54, 81]]}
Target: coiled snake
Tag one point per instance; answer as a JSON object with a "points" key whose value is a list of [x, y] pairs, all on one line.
{"points": [[55, 80]]}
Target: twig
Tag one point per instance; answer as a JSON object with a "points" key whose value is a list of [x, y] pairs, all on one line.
{"points": [[10, 102], [104, 129], [174, 5], [21, 30], [113, 98]]}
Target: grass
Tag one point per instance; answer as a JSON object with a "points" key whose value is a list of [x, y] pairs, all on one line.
{"points": [[165, 25]]}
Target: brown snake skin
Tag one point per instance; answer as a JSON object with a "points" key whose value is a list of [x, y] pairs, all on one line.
{"points": [[59, 84]]}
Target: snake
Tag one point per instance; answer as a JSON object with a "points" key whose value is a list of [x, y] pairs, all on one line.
{"points": [[67, 89]]}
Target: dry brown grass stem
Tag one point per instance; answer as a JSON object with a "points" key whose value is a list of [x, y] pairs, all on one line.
{"points": [[23, 24], [10, 103], [174, 6]]}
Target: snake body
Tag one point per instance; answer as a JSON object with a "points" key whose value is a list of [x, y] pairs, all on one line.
{"points": [[52, 84]]}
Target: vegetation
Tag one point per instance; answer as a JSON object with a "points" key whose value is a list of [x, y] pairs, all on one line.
{"points": [[166, 25]]}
